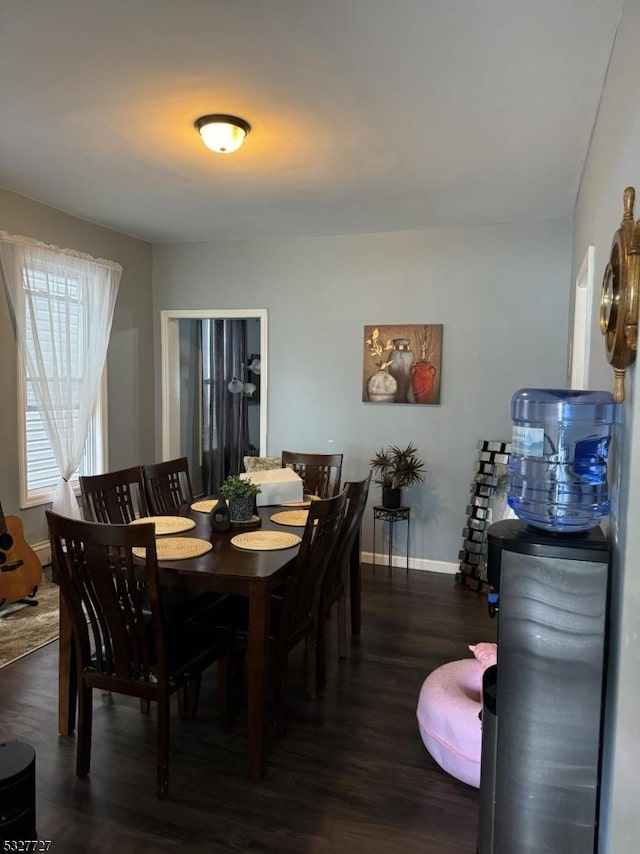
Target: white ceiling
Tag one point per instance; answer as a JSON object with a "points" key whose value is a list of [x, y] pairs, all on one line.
{"points": [[367, 115]]}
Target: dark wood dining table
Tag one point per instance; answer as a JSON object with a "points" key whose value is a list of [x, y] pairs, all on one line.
{"points": [[223, 569]]}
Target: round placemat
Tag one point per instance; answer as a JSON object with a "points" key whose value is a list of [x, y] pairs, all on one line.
{"points": [[306, 501], [205, 506], [261, 541], [167, 524], [178, 548], [297, 518]]}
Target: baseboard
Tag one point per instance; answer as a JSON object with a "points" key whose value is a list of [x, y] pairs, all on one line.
{"points": [[423, 564]]}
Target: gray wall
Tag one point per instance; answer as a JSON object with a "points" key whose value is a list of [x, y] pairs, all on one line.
{"points": [[130, 358], [502, 293], [613, 164]]}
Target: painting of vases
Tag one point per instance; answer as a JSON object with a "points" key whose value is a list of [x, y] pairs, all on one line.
{"points": [[402, 363]]}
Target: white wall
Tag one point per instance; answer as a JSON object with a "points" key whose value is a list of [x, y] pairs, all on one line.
{"points": [[614, 163], [502, 293]]}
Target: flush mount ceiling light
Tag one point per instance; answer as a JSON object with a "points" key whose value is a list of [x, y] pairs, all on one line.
{"points": [[221, 133]]}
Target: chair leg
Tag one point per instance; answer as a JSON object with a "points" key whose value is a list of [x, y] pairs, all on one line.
{"points": [[182, 701], [321, 675], [188, 697], [163, 747], [224, 679], [145, 706], [85, 721], [311, 655], [341, 622], [239, 653], [281, 694], [193, 695]]}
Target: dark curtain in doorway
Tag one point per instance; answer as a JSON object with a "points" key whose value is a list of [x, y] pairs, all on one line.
{"points": [[225, 427]]}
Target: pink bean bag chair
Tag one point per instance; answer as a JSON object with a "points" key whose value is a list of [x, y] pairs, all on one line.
{"points": [[448, 715]]}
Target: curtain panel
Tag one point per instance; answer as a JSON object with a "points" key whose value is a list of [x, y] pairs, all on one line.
{"points": [[62, 305], [225, 423]]}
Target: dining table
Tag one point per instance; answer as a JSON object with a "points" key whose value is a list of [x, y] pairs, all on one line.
{"points": [[225, 569]]}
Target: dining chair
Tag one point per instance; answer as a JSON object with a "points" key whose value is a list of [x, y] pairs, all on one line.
{"points": [[334, 588], [320, 473], [168, 485], [119, 646], [117, 497], [296, 606], [302, 595]]}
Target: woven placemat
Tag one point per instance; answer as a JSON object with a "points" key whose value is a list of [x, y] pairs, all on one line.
{"points": [[297, 518], [306, 501], [205, 506], [178, 548], [167, 524], [262, 541]]}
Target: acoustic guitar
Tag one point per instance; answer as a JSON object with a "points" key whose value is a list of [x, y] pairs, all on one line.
{"points": [[20, 568]]}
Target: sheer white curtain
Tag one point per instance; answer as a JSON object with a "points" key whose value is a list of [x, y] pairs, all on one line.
{"points": [[62, 304]]}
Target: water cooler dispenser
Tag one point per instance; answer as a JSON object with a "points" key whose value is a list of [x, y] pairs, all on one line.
{"points": [[544, 701]]}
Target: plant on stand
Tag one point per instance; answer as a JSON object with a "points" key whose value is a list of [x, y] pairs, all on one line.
{"points": [[396, 468], [241, 493]]}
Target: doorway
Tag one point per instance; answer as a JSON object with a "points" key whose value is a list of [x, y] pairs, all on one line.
{"points": [[580, 343], [178, 406]]}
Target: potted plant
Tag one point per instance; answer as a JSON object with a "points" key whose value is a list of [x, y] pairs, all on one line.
{"points": [[396, 468], [241, 493]]}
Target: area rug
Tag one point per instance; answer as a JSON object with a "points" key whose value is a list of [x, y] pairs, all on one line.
{"points": [[32, 627]]}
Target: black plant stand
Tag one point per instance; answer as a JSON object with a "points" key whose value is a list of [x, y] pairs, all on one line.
{"points": [[399, 514]]}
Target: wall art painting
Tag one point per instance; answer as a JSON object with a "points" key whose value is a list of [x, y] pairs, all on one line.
{"points": [[402, 363]]}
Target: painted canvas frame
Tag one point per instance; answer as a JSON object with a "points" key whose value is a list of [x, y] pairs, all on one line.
{"points": [[402, 363]]}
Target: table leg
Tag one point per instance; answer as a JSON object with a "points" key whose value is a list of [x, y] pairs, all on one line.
{"points": [[67, 685], [390, 524], [257, 666], [355, 580]]}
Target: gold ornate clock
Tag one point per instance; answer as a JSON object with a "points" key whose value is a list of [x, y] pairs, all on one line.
{"points": [[619, 296]]}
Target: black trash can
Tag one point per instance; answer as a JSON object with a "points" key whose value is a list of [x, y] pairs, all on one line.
{"points": [[17, 792], [487, 798]]}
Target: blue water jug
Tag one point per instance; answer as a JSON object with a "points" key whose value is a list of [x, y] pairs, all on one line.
{"points": [[558, 462]]}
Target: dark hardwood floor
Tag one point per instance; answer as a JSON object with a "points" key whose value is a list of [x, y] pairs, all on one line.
{"points": [[351, 776]]}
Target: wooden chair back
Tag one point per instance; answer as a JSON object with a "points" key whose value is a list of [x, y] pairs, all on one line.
{"points": [[168, 486], [334, 590], [320, 473], [301, 601], [103, 589], [115, 498], [337, 572], [120, 644]]}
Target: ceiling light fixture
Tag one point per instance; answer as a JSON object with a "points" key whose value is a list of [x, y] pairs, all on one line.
{"points": [[221, 133]]}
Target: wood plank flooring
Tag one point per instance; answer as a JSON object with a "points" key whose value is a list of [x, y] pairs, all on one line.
{"points": [[351, 776]]}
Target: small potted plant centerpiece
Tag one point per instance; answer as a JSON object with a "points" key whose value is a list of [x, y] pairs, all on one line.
{"points": [[396, 468], [241, 493]]}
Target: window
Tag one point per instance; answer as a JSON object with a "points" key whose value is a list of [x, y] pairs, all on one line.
{"points": [[56, 304], [62, 305]]}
